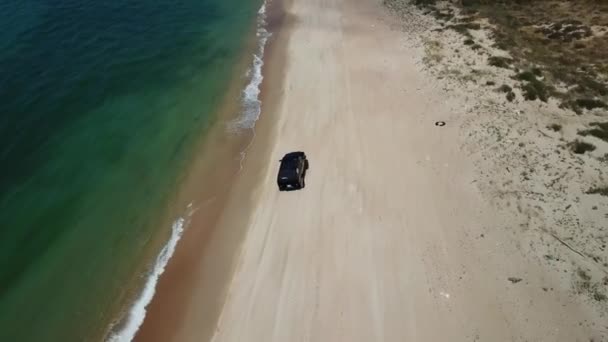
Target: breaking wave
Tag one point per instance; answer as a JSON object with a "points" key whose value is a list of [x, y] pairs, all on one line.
{"points": [[137, 313], [251, 104]]}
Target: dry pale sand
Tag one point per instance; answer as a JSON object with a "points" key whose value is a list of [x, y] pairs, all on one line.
{"points": [[391, 239]]}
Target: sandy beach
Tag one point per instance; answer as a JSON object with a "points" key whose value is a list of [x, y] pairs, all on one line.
{"points": [[393, 238]]}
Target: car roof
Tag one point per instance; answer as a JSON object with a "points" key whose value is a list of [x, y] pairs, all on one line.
{"points": [[291, 155]]}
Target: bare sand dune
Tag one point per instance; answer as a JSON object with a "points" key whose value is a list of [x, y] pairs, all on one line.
{"points": [[389, 241]]}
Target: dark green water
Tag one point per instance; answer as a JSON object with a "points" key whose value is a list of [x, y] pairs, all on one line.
{"points": [[100, 105]]}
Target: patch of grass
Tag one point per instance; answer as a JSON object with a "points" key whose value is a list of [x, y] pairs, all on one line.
{"points": [[598, 296], [469, 11], [500, 62], [504, 88], [467, 26], [555, 127], [601, 125], [510, 96], [472, 77], [599, 131], [565, 30], [501, 45], [543, 34], [591, 103], [526, 76], [584, 285], [583, 274], [468, 19], [463, 28], [425, 3], [580, 147], [533, 88], [514, 280], [598, 191], [588, 84], [445, 16]]}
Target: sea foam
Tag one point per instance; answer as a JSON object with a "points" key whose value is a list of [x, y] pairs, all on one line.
{"points": [[137, 313], [250, 97]]}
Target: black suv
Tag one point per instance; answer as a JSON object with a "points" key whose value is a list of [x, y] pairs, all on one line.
{"points": [[292, 171]]}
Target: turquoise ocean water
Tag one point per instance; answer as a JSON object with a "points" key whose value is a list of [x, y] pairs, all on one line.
{"points": [[101, 102]]}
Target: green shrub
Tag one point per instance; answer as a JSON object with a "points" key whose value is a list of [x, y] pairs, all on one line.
{"points": [[580, 147], [504, 88], [600, 191], [526, 76], [591, 103], [510, 96], [500, 62], [599, 130], [533, 88]]}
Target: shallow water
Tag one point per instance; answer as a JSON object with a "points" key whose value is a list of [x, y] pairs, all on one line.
{"points": [[101, 103]]}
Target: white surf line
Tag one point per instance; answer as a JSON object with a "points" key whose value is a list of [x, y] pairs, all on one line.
{"points": [[137, 312], [250, 100]]}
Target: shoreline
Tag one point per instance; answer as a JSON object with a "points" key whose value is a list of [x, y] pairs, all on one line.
{"points": [[195, 206], [213, 234], [189, 199]]}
